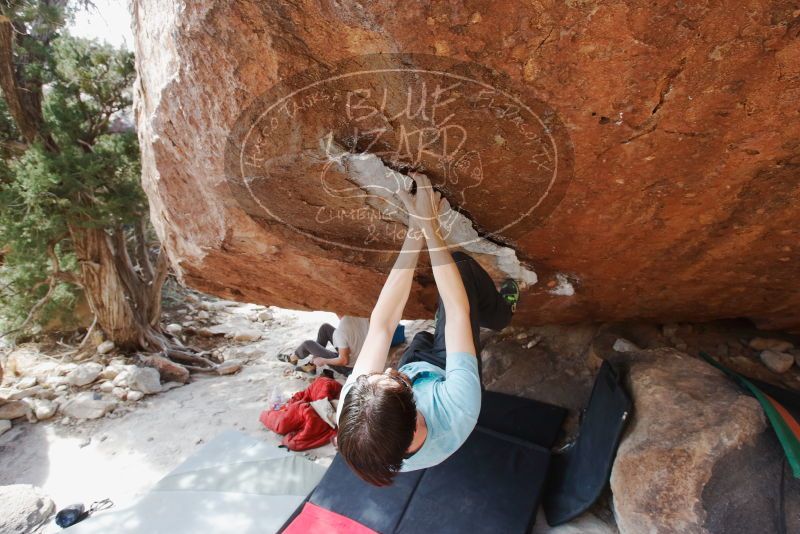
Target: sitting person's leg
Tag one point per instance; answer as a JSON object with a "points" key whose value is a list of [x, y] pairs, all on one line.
{"points": [[311, 347], [325, 334]]}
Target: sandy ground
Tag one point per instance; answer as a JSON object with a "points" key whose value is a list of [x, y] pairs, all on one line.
{"points": [[125, 456]]}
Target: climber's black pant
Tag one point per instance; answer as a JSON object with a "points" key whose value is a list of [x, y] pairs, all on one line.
{"points": [[486, 309]]}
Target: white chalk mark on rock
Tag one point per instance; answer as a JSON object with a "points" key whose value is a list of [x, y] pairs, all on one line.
{"points": [[564, 287], [375, 179]]}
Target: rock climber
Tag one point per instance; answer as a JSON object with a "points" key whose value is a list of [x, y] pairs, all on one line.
{"points": [[416, 416]]}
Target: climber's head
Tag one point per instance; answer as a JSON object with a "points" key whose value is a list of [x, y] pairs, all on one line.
{"points": [[376, 425]]}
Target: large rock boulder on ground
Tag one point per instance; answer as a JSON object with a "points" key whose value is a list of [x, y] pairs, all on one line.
{"points": [[646, 152], [24, 509], [688, 418], [753, 490]]}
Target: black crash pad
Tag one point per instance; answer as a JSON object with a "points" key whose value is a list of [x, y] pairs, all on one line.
{"points": [[579, 475], [491, 484], [494, 482], [527, 419]]}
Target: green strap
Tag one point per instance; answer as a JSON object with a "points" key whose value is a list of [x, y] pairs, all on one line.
{"points": [[789, 442]]}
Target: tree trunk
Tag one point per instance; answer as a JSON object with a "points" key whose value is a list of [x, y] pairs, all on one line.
{"points": [[121, 301], [126, 300]]}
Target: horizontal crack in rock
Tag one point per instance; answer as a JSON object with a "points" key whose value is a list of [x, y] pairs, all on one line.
{"points": [[377, 179]]}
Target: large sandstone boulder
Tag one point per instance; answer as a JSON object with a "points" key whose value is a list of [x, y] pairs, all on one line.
{"points": [[659, 181], [688, 420]]}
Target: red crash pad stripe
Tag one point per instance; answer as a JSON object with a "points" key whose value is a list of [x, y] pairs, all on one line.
{"points": [[315, 520], [791, 422]]}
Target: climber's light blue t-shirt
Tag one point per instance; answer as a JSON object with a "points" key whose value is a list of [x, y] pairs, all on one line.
{"points": [[450, 401]]}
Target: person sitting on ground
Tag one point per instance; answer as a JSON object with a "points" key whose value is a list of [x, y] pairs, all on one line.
{"points": [[418, 415], [347, 340]]}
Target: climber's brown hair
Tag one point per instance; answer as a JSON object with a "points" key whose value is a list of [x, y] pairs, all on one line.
{"points": [[376, 426]]}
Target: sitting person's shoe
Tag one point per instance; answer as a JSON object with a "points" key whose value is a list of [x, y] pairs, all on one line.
{"points": [[309, 368], [288, 358], [509, 290]]}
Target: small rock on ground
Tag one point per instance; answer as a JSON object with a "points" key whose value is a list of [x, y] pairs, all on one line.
{"points": [[144, 379], [623, 345], [15, 410], [247, 335], [105, 347], [229, 367], [778, 362], [24, 508], [26, 382], [85, 406], [85, 374], [175, 329], [167, 369], [44, 409], [776, 345]]}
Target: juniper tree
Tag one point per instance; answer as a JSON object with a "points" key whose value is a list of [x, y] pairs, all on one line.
{"points": [[72, 213]]}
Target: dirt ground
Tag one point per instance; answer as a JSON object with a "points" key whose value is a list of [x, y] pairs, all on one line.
{"points": [[119, 458]]}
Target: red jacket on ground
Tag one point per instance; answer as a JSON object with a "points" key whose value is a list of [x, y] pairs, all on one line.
{"points": [[302, 428]]}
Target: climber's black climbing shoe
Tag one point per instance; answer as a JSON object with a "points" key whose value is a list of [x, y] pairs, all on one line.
{"points": [[509, 290]]}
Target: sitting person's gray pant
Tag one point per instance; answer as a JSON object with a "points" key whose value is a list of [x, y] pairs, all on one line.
{"points": [[317, 348]]}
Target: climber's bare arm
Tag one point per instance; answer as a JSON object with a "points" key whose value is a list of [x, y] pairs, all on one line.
{"points": [[457, 331], [389, 309], [457, 328]]}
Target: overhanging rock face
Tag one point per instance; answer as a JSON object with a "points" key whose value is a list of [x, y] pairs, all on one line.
{"points": [[627, 160]]}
